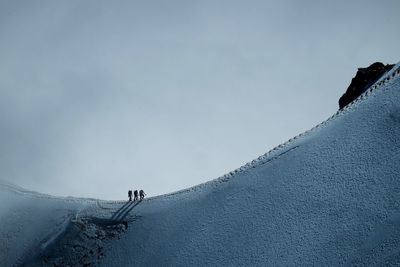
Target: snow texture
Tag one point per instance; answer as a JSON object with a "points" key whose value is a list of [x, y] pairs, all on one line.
{"points": [[328, 197]]}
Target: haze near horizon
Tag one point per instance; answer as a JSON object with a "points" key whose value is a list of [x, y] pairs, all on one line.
{"points": [[98, 97]]}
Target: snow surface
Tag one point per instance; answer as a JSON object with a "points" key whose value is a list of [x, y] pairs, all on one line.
{"points": [[328, 197], [29, 221]]}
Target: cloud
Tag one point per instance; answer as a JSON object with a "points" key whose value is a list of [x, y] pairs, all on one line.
{"points": [[97, 97]]}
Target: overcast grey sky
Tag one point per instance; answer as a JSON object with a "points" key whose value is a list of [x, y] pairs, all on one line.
{"points": [[100, 96]]}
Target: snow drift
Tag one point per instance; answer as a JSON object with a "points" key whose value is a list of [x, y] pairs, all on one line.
{"points": [[328, 197]]}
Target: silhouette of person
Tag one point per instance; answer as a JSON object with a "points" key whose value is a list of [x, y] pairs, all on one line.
{"points": [[136, 195], [130, 195], [142, 194]]}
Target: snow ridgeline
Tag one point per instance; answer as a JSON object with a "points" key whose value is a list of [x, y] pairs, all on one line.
{"points": [[25, 192], [327, 197], [273, 153], [43, 230]]}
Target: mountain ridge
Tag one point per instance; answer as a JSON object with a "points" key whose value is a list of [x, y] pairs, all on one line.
{"points": [[328, 196]]}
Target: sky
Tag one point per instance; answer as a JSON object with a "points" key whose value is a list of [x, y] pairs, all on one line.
{"points": [[98, 97]]}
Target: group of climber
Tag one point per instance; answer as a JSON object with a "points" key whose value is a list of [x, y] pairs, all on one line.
{"points": [[136, 194]]}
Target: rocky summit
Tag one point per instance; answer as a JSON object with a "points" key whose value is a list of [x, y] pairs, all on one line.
{"points": [[364, 78]]}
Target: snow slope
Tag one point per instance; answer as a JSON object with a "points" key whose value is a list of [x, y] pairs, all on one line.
{"points": [[328, 197], [30, 221]]}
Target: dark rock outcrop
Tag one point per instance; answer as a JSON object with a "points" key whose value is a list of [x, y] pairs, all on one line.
{"points": [[364, 78]]}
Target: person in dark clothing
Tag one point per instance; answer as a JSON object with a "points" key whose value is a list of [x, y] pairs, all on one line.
{"points": [[142, 194], [130, 195], [135, 193]]}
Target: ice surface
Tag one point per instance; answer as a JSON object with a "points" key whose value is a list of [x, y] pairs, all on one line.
{"points": [[328, 197]]}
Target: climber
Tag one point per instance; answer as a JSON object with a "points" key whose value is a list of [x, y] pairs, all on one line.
{"points": [[142, 194], [135, 193], [130, 195]]}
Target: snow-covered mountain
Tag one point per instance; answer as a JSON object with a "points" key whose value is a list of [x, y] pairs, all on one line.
{"points": [[328, 197]]}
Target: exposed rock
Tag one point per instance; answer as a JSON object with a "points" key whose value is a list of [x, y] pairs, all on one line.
{"points": [[82, 243], [364, 78]]}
